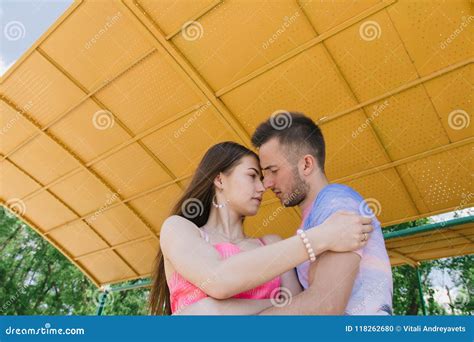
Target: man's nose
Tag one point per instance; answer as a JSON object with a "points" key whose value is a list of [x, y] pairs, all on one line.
{"points": [[268, 183]]}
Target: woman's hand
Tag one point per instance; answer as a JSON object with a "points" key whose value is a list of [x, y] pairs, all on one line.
{"points": [[343, 231]]}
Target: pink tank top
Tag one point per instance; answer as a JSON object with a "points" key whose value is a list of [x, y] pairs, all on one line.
{"points": [[184, 293]]}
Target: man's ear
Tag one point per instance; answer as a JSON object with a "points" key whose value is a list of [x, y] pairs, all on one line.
{"points": [[308, 164]]}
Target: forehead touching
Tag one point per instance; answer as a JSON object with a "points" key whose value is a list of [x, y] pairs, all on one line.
{"points": [[248, 163]]}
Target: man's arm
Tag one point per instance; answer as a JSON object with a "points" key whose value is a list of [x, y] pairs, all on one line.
{"points": [[331, 278]]}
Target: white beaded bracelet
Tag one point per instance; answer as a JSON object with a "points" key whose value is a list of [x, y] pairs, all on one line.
{"points": [[307, 244]]}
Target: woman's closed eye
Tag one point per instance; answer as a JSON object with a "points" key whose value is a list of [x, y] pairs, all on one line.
{"points": [[253, 175]]}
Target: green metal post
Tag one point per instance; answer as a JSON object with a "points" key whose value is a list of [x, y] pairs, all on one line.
{"points": [[102, 300], [420, 290]]}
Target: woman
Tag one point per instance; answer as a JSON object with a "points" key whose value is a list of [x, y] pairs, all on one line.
{"points": [[211, 266]]}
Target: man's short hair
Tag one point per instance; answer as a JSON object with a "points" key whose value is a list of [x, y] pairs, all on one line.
{"points": [[294, 131]]}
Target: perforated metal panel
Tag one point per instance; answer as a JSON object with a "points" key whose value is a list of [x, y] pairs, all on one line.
{"points": [[105, 118]]}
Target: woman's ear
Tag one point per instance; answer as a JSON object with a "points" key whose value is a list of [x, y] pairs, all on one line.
{"points": [[218, 181]]}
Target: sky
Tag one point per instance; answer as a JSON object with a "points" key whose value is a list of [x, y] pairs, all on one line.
{"points": [[22, 23]]}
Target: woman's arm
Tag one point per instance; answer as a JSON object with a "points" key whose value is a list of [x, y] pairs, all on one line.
{"points": [[289, 279], [230, 306], [198, 262]]}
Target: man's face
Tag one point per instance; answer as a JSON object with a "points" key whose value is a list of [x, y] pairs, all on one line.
{"points": [[280, 175]]}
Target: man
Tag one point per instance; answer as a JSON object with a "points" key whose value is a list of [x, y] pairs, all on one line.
{"points": [[352, 283]]}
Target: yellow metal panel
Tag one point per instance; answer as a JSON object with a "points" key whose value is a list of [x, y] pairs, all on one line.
{"points": [[149, 93], [84, 193], [396, 120], [426, 241], [96, 43], [444, 180], [37, 206], [40, 90], [14, 129], [435, 33], [452, 97], [439, 253], [117, 225], [435, 244], [272, 219], [156, 207], [89, 131], [77, 238], [14, 183], [241, 36], [140, 255], [385, 194], [371, 56], [325, 15], [106, 267], [349, 149], [131, 171], [46, 160], [453, 244], [182, 144], [170, 15]]}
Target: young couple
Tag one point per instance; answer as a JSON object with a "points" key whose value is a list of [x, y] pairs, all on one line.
{"points": [[335, 264]]}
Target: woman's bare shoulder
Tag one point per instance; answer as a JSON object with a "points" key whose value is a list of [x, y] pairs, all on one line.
{"points": [[175, 224]]}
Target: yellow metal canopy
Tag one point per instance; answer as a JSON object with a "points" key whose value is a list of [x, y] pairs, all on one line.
{"points": [[432, 241], [105, 118]]}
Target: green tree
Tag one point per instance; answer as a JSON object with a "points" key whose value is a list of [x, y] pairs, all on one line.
{"points": [[38, 280]]}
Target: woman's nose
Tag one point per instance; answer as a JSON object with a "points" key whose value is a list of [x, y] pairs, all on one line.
{"points": [[260, 187]]}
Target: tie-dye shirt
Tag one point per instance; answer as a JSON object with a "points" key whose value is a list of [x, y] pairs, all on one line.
{"points": [[373, 287]]}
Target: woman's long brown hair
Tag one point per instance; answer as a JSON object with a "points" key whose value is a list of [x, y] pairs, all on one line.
{"points": [[222, 157]]}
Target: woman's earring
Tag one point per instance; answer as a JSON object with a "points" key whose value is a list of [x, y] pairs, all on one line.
{"points": [[217, 205]]}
